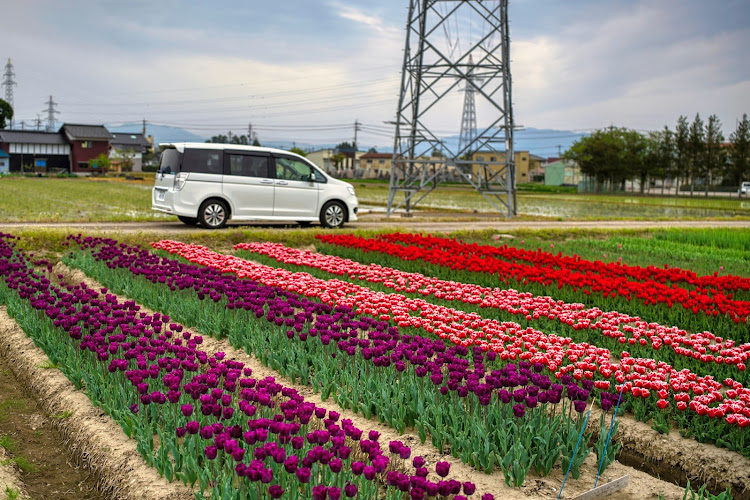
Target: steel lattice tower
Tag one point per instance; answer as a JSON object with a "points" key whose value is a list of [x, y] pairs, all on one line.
{"points": [[430, 77], [9, 82], [51, 112]]}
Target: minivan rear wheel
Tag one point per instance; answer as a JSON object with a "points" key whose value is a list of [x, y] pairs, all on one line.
{"points": [[213, 214], [333, 214], [190, 221]]}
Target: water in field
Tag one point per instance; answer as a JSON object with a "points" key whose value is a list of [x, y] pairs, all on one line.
{"points": [[573, 206]]}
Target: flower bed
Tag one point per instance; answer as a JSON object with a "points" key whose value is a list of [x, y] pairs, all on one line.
{"points": [[203, 419], [661, 392], [487, 416], [650, 299], [702, 352]]}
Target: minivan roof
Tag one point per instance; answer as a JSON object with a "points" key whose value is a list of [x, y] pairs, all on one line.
{"points": [[180, 146]]}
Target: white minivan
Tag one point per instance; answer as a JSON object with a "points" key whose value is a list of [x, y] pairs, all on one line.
{"points": [[210, 184]]}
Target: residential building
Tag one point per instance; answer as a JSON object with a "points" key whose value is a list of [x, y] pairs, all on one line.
{"points": [[86, 143], [375, 165], [4, 162], [35, 151], [525, 162], [126, 151], [562, 173]]}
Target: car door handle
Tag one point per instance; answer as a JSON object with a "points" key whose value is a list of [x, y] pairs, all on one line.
{"points": [[266, 181], [282, 183]]}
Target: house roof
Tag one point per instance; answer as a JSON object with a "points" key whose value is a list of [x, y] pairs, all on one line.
{"points": [[76, 132], [374, 156], [31, 137], [126, 140]]}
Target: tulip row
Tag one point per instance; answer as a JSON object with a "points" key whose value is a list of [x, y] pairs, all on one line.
{"points": [[703, 351], [236, 436], [711, 409], [650, 300], [488, 417], [666, 275]]}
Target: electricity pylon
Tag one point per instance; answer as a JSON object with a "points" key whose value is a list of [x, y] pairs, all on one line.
{"points": [[430, 77]]}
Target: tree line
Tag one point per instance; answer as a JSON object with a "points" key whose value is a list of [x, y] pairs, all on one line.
{"points": [[692, 157]]}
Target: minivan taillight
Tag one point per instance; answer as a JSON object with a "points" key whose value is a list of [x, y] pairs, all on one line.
{"points": [[179, 180]]}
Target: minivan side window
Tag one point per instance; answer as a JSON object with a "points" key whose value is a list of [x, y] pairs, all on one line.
{"points": [[248, 166], [202, 161], [170, 161], [292, 169]]}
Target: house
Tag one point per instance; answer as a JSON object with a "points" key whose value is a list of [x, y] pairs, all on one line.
{"points": [[126, 151], [4, 162], [375, 165], [562, 173], [86, 143], [35, 151], [525, 163]]}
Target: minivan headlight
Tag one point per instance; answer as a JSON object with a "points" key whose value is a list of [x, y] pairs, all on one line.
{"points": [[179, 180], [351, 190]]}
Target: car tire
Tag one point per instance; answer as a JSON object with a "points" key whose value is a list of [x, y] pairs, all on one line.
{"points": [[190, 221], [213, 214], [333, 214]]}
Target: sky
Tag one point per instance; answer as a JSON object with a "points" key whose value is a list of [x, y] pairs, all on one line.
{"points": [[307, 70]]}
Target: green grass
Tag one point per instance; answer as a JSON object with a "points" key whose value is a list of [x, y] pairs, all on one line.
{"points": [[50, 199], [73, 199], [7, 443]]}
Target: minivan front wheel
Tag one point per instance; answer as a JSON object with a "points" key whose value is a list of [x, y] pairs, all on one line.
{"points": [[332, 215], [213, 214]]}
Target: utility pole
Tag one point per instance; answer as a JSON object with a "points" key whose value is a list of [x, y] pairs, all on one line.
{"points": [[144, 127], [9, 83], [38, 122], [51, 112]]}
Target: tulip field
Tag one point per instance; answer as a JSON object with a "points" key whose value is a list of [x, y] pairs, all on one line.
{"points": [[494, 355]]}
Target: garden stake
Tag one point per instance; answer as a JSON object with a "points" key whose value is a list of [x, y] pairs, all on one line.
{"points": [[609, 435], [575, 450]]}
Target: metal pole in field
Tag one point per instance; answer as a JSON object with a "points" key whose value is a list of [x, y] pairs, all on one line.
{"points": [[454, 44]]}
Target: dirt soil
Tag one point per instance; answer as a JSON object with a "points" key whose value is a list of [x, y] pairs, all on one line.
{"points": [[89, 437], [42, 463], [640, 484]]}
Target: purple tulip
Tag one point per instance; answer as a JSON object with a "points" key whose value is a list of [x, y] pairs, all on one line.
{"points": [[442, 468]]}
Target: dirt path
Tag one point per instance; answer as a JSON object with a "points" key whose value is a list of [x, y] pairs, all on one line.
{"points": [[432, 221]]}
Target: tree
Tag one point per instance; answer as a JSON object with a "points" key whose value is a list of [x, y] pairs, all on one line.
{"points": [[665, 157], [345, 147], [101, 163], [681, 136], [255, 141], [696, 150], [714, 154], [612, 155], [125, 159], [6, 113], [299, 151], [739, 153], [230, 139]]}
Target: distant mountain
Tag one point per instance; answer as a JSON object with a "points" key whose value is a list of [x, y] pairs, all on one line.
{"points": [[162, 133]]}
